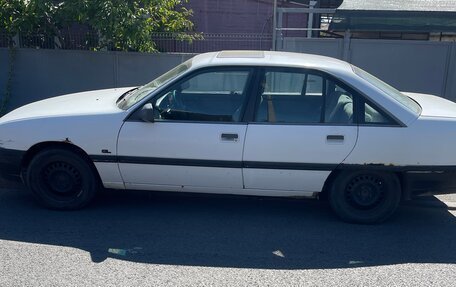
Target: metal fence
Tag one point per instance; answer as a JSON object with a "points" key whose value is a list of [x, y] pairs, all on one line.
{"points": [[165, 42], [415, 66], [66, 40], [213, 42]]}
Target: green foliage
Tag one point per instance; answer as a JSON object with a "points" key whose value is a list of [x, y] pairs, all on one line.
{"points": [[10, 15], [126, 25]]}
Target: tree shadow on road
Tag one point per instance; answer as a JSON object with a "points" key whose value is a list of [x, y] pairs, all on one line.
{"points": [[239, 232]]}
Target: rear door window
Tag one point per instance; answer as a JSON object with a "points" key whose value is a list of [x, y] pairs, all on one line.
{"points": [[299, 96]]}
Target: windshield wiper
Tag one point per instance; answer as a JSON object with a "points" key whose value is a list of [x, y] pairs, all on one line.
{"points": [[122, 97]]}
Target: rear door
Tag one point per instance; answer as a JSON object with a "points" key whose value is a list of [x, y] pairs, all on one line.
{"points": [[303, 128]]}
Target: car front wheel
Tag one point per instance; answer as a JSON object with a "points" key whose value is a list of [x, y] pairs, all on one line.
{"points": [[365, 196], [61, 179]]}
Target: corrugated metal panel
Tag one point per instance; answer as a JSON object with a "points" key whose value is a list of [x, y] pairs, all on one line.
{"points": [[400, 5], [393, 15]]}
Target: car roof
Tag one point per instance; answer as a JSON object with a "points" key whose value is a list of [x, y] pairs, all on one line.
{"points": [[271, 58]]}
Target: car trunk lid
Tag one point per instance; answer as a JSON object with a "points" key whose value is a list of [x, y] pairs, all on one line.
{"points": [[433, 106]]}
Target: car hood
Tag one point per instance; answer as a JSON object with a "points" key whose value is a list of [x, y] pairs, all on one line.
{"points": [[433, 106], [85, 103]]}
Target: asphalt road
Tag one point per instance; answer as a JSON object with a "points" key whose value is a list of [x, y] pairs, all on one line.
{"points": [[156, 239]]}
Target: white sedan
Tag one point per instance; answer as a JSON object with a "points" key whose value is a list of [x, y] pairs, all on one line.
{"points": [[240, 122]]}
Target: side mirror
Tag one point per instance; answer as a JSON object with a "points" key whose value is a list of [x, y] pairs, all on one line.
{"points": [[147, 113]]}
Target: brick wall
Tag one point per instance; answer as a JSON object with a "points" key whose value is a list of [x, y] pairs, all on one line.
{"points": [[240, 16]]}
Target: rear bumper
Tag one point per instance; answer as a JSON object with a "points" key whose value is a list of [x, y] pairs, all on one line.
{"points": [[418, 183], [10, 164]]}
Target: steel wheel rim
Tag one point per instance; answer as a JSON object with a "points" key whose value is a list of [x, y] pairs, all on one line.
{"points": [[365, 191], [61, 179]]}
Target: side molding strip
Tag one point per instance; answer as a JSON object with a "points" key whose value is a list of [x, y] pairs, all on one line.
{"points": [[268, 165]]}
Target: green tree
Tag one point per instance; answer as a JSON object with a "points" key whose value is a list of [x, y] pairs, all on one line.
{"points": [[10, 16], [120, 24]]}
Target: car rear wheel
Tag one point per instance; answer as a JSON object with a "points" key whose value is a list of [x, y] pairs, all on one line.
{"points": [[365, 196], [61, 179]]}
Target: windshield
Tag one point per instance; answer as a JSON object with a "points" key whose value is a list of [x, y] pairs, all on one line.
{"points": [[390, 91], [137, 95]]}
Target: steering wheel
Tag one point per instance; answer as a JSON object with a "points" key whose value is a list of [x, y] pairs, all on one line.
{"points": [[176, 101]]}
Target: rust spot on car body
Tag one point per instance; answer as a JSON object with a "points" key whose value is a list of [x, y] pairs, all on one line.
{"points": [[380, 164]]}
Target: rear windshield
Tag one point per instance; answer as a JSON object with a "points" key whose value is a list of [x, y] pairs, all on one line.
{"points": [[390, 91]]}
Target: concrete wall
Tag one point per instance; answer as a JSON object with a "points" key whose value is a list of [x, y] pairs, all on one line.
{"points": [[414, 66], [40, 74]]}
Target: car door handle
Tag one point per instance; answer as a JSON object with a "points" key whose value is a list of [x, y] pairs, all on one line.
{"points": [[335, 137], [229, 137]]}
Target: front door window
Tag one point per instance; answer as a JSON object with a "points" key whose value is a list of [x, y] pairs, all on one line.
{"points": [[211, 96]]}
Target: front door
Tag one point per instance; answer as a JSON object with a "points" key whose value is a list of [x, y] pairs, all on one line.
{"points": [[303, 128], [196, 140]]}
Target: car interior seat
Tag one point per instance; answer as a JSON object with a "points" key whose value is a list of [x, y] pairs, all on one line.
{"points": [[343, 111]]}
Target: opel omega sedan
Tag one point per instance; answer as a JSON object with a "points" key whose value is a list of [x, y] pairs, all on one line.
{"points": [[240, 122]]}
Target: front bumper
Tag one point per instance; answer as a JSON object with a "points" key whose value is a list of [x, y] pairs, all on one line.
{"points": [[10, 164]]}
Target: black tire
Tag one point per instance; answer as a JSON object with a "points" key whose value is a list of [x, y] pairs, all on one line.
{"points": [[61, 179], [365, 196]]}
